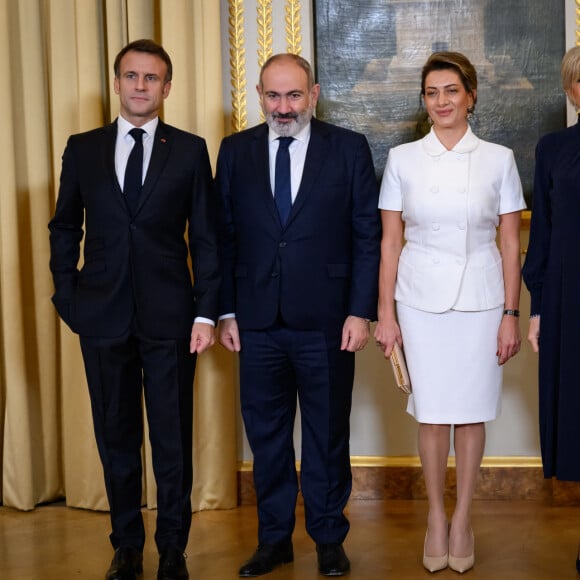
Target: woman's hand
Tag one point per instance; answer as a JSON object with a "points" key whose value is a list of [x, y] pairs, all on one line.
{"points": [[387, 332], [534, 333], [508, 339]]}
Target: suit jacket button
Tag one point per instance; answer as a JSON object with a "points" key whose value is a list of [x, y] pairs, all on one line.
{"points": [[274, 275], [283, 244]]}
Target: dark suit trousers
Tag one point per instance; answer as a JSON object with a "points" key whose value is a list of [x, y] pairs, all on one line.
{"points": [[119, 372], [277, 366]]}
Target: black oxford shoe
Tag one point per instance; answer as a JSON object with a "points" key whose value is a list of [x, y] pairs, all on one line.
{"points": [[127, 564], [172, 565], [266, 558], [332, 561]]}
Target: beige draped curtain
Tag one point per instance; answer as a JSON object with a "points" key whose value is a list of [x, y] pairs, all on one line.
{"points": [[56, 60]]}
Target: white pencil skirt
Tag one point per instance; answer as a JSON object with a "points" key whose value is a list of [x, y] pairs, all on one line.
{"points": [[452, 364]]}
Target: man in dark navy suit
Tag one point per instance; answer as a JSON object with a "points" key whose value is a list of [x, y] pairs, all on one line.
{"points": [[301, 256], [134, 189]]}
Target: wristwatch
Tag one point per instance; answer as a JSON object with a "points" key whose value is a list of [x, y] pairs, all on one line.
{"points": [[510, 312]]}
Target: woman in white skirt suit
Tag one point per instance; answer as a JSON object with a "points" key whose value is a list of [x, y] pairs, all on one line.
{"points": [[456, 295]]}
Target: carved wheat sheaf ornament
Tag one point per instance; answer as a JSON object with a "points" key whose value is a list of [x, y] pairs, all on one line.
{"points": [[264, 20], [577, 22], [293, 27], [237, 65]]}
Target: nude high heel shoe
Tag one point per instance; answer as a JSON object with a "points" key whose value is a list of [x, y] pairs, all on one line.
{"points": [[464, 563], [434, 563]]}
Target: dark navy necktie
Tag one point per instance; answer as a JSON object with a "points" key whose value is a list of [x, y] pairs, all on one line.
{"points": [[134, 171], [282, 185]]}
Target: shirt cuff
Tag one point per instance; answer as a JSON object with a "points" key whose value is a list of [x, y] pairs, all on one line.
{"points": [[228, 315]]}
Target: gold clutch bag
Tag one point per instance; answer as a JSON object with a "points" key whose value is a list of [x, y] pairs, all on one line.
{"points": [[400, 369]]}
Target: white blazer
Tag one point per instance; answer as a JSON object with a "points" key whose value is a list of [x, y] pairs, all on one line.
{"points": [[450, 203]]}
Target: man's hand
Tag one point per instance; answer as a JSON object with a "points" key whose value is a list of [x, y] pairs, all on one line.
{"points": [[355, 334], [202, 337], [229, 335]]}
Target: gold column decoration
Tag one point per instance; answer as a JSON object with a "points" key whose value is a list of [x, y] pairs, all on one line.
{"points": [[237, 65], [577, 22], [264, 20], [293, 26], [264, 8]]}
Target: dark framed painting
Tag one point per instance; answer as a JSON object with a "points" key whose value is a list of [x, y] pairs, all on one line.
{"points": [[369, 55]]}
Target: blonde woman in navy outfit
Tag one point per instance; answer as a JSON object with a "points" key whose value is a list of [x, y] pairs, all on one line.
{"points": [[552, 276], [449, 296]]}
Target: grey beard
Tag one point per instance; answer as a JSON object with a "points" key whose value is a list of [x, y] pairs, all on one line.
{"points": [[289, 129]]}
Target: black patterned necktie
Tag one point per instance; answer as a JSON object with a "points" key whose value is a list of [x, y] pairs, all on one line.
{"points": [[282, 184], [134, 171]]}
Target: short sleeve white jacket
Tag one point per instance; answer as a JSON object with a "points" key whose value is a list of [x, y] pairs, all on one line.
{"points": [[450, 203]]}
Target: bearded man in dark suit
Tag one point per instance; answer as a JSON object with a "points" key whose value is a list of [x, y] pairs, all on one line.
{"points": [[301, 256], [140, 192]]}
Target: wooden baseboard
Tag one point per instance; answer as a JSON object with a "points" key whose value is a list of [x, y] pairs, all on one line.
{"points": [[509, 478]]}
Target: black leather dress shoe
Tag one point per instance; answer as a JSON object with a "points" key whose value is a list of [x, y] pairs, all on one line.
{"points": [[172, 565], [127, 564], [332, 561], [266, 558]]}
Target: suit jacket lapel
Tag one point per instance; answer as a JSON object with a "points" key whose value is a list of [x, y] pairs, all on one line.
{"points": [[159, 155], [261, 169], [108, 152], [315, 158]]}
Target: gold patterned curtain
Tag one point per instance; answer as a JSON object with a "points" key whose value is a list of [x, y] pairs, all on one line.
{"points": [[56, 60]]}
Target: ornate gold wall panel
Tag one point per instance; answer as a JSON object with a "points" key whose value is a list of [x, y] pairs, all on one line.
{"points": [[278, 28]]}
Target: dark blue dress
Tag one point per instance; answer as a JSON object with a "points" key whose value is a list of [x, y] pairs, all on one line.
{"points": [[552, 275]]}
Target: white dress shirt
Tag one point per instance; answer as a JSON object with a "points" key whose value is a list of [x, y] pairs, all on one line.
{"points": [[297, 150], [125, 143]]}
